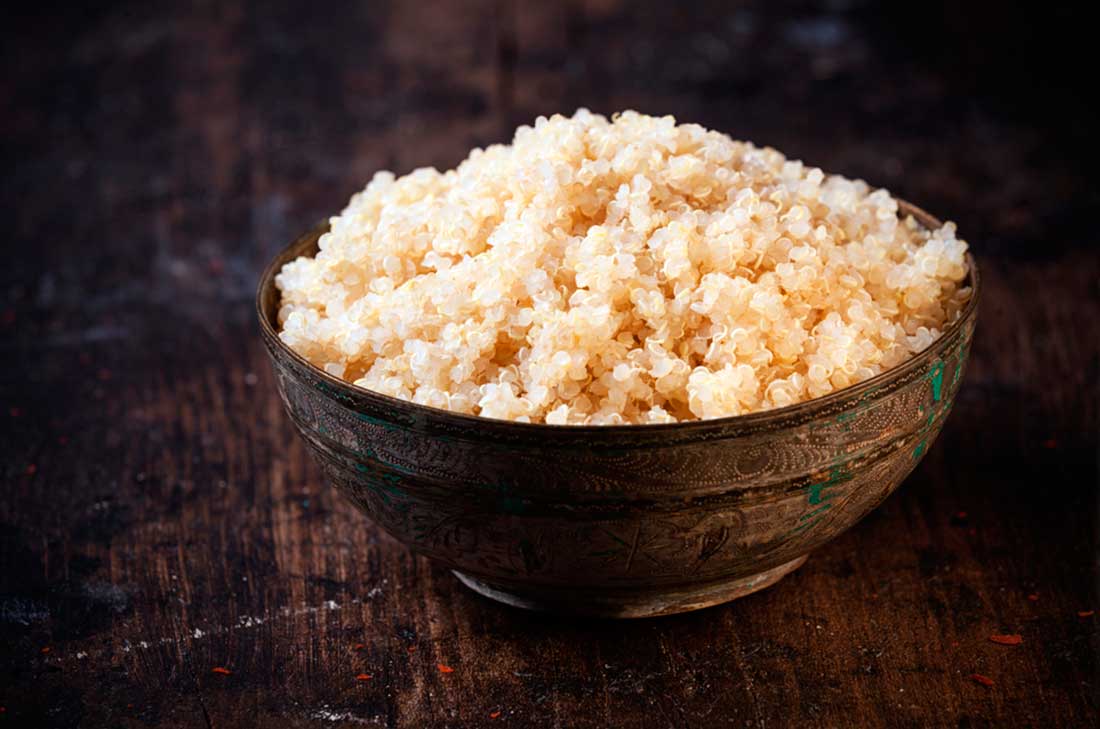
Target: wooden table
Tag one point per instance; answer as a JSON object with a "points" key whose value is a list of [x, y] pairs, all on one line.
{"points": [[168, 554]]}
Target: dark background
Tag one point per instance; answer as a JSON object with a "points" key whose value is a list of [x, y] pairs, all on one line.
{"points": [[158, 517]]}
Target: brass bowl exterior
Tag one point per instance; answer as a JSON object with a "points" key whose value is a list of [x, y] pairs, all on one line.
{"points": [[629, 520]]}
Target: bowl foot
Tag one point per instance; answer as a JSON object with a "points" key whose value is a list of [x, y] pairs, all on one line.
{"points": [[627, 602]]}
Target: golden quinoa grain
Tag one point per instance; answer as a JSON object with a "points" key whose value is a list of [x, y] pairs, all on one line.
{"points": [[624, 271]]}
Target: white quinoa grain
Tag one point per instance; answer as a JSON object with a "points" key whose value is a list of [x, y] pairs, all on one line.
{"points": [[624, 271]]}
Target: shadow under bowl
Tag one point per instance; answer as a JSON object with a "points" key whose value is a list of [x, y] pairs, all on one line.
{"points": [[620, 521]]}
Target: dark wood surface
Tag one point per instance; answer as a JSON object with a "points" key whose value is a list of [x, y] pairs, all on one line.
{"points": [[159, 518]]}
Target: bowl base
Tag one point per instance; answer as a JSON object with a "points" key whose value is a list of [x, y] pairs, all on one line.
{"points": [[627, 603]]}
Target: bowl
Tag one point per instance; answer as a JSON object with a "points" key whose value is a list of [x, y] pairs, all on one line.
{"points": [[626, 520]]}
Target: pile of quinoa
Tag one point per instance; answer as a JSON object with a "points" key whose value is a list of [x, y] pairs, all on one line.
{"points": [[623, 271]]}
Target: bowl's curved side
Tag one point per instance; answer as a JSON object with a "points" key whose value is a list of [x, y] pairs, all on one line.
{"points": [[629, 516], [623, 510]]}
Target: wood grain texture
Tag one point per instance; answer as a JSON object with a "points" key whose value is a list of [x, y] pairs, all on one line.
{"points": [[159, 518]]}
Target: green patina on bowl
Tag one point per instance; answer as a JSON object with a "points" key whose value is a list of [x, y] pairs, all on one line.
{"points": [[625, 520]]}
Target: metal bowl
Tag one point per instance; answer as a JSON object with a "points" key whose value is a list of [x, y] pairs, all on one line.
{"points": [[628, 520]]}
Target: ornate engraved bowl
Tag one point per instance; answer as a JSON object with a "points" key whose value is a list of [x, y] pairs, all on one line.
{"points": [[619, 521]]}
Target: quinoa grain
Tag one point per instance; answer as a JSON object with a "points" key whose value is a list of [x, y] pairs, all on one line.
{"points": [[623, 271]]}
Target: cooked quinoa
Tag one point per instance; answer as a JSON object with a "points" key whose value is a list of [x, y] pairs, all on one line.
{"points": [[623, 271]]}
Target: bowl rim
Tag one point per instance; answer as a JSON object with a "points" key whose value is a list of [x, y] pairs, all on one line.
{"points": [[748, 420]]}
